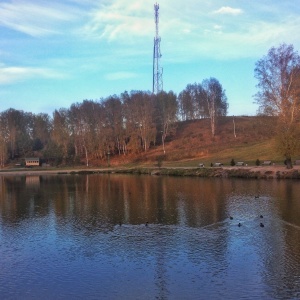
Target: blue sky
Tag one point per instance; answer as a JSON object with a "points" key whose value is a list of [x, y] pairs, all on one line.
{"points": [[55, 53]]}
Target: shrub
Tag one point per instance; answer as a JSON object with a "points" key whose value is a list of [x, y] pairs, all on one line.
{"points": [[160, 160]]}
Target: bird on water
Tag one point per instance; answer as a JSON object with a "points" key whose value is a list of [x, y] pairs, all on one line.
{"points": [[261, 225]]}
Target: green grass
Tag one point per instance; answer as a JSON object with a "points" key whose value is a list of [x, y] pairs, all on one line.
{"points": [[247, 153]]}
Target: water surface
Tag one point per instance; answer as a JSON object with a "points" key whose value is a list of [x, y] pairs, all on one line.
{"points": [[146, 237]]}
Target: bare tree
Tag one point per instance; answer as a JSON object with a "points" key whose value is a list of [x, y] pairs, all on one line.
{"points": [[278, 75], [83, 124], [192, 104], [17, 126], [3, 149], [216, 101], [41, 126], [114, 119], [60, 133], [166, 111], [139, 119], [186, 105]]}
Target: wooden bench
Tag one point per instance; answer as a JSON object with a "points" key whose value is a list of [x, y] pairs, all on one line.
{"points": [[240, 163], [217, 164], [267, 163]]}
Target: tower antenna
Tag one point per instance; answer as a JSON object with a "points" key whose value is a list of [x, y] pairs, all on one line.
{"points": [[157, 69]]}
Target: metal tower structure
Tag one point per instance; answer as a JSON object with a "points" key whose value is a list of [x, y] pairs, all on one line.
{"points": [[157, 69]]}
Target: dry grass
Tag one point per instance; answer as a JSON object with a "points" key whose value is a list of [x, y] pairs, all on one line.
{"points": [[193, 143]]}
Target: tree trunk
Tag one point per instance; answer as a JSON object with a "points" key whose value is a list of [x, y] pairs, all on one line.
{"points": [[234, 128], [86, 155], [213, 125], [163, 143]]}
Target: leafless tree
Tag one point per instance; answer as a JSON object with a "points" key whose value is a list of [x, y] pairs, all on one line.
{"points": [[166, 114], [278, 75], [60, 133], [114, 120], [216, 101], [139, 119]]}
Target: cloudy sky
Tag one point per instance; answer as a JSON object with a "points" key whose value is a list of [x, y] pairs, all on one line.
{"points": [[55, 53]]}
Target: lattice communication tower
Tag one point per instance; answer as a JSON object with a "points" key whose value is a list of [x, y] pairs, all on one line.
{"points": [[157, 69]]}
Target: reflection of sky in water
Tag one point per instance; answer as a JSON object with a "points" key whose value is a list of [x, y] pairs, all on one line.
{"points": [[63, 239]]}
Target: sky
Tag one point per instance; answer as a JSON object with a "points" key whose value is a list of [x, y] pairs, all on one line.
{"points": [[59, 52]]}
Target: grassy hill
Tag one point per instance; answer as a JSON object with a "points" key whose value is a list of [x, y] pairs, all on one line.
{"points": [[193, 143]]}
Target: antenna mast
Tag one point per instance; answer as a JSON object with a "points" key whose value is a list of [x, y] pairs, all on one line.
{"points": [[157, 69]]}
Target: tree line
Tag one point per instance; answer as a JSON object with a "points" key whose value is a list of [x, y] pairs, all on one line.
{"points": [[117, 125], [134, 122]]}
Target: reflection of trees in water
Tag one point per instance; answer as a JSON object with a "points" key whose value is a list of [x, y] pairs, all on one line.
{"points": [[287, 194], [201, 202], [21, 198], [137, 199], [280, 244], [90, 205]]}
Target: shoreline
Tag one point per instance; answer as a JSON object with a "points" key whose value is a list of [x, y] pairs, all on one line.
{"points": [[255, 172]]}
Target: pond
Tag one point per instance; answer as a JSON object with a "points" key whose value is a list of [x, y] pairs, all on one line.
{"points": [[148, 237]]}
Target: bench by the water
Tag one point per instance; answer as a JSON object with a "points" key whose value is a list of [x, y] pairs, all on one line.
{"points": [[267, 163], [240, 163], [217, 164]]}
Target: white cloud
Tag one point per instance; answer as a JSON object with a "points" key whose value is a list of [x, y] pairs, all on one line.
{"points": [[120, 20], [249, 40], [10, 75], [35, 19], [120, 33], [226, 10], [217, 27], [229, 38], [120, 75]]}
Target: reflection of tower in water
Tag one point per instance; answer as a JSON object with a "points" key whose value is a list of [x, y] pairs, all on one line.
{"points": [[161, 249], [161, 270]]}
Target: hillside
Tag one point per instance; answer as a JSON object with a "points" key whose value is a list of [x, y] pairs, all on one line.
{"points": [[193, 143]]}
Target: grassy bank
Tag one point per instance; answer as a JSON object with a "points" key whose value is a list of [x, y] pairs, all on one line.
{"points": [[260, 172], [191, 145], [233, 172]]}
